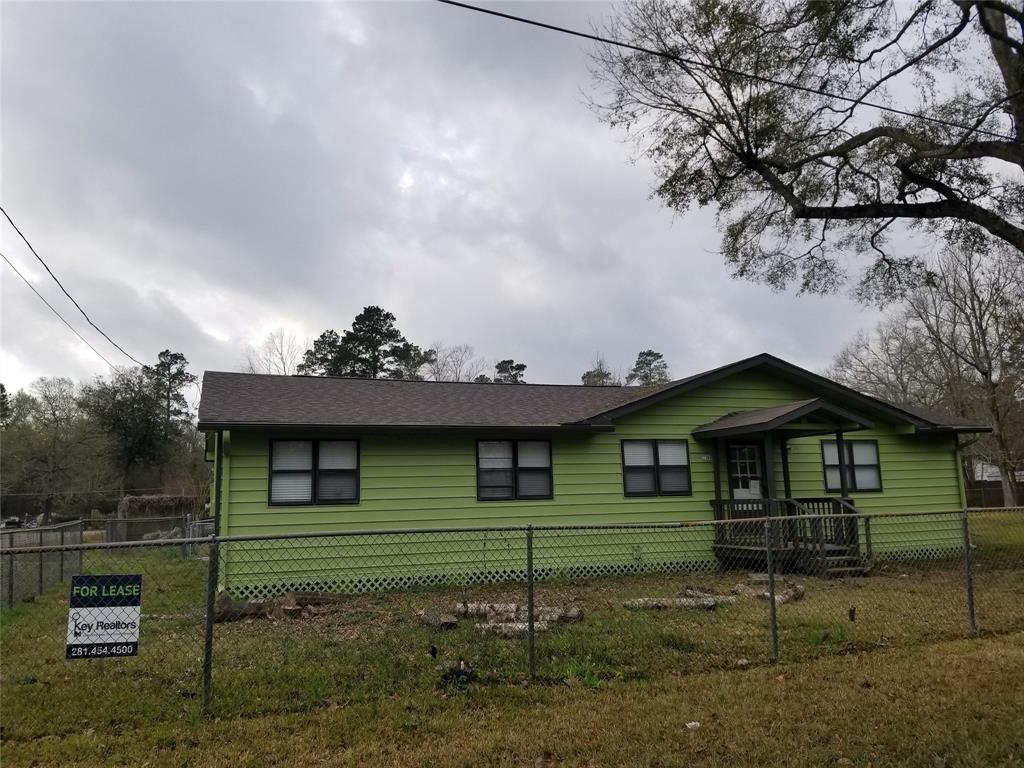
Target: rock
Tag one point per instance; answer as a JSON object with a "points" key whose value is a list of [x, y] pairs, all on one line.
{"points": [[693, 725], [229, 609], [742, 663], [757, 578], [789, 595], [485, 610], [437, 620], [510, 628], [663, 603], [572, 613]]}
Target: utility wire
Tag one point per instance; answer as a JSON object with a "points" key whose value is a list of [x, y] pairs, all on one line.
{"points": [[77, 305], [58, 314], [719, 68]]}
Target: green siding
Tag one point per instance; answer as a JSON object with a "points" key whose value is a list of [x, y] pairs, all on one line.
{"points": [[414, 481], [430, 481]]}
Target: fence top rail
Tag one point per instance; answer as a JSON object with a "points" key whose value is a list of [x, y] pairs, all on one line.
{"points": [[386, 532], [180, 516], [43, 528]]}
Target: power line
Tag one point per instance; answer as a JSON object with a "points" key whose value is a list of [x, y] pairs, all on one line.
{"points": [[77, 305], [719, 68], [58, 314]]}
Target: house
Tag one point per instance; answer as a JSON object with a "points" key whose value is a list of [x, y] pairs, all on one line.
{"points": [[758, 437]]}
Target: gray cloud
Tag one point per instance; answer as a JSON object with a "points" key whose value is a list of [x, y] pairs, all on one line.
{"points": [[199, 174]]}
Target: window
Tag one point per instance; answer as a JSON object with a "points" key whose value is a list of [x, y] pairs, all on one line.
{"points": [[513, 469], [655, 468], [863, 472], [314, 471]]}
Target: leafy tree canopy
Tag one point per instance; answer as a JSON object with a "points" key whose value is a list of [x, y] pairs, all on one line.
{"points": [[509, 372], [372, 348], [650, 368], [800, 177]]}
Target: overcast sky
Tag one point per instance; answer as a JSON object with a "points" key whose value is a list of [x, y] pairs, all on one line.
{"points": [[200, 174]]}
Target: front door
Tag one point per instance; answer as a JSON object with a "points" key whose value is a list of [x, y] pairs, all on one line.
{"points": [[745, 480]]}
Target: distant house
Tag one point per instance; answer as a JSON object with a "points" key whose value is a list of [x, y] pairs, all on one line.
{"points": [[753, 438]]}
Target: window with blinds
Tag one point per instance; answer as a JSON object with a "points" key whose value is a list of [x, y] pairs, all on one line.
{"points": [[862, 467], [314, 472], [513, 469], [655, 468]]}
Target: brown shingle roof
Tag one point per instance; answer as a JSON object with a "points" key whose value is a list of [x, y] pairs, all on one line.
{"points": [[233, 400], [236, 399]]}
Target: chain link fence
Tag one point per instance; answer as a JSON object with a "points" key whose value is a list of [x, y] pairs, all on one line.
{"points": [[25, 576], [260, 624]]}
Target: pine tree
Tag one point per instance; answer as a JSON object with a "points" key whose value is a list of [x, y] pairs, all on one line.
{"points": [[649, 369]]}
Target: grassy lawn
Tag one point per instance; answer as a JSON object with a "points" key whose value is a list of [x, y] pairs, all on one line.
{"points": [[956, 703], [356, 684]]}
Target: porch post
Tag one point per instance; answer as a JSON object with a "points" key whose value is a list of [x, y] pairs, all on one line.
{"points": [[769, 465], [716, 461], [787, 487], [844, 490]]}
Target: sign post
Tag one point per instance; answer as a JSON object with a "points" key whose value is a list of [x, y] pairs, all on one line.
{"points": [[104, 616]]}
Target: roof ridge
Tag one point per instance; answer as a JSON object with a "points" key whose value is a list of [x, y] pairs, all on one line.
{"points": [[639, 388]]}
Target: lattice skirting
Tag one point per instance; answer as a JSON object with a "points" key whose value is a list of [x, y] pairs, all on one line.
{"points": [[260, 587]]}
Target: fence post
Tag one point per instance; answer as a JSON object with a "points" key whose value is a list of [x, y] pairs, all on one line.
{"points": [[969, 573], [530, 634], [42, 560], [769, 556], [62, 555], [10, 575], [211, 590]]}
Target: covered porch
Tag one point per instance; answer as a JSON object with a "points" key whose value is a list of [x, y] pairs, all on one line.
{"points": [[818, 534]]}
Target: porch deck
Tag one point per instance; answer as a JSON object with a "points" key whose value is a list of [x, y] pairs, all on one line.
{"points": [[821, 536]]}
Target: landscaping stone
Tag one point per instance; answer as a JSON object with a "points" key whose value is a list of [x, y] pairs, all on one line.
{"points": [[437, 620], [511, 628], [663, 603]]}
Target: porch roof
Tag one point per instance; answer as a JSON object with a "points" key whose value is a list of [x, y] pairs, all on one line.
{"points": [[801, 417]]}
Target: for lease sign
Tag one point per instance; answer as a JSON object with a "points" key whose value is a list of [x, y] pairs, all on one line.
{"points": [[104, 616]]}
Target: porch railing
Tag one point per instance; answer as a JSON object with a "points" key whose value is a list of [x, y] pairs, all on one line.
{"points": [[820, 524]]}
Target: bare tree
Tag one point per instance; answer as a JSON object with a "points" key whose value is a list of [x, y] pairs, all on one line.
{"points": [[972, 312], [600, 375], [800, 164], [455, 363], [279, 353], [955, 344], [896, 361]]}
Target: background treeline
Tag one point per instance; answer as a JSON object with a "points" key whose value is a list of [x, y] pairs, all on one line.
{"points": [[374, 348], [71, 448]]}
